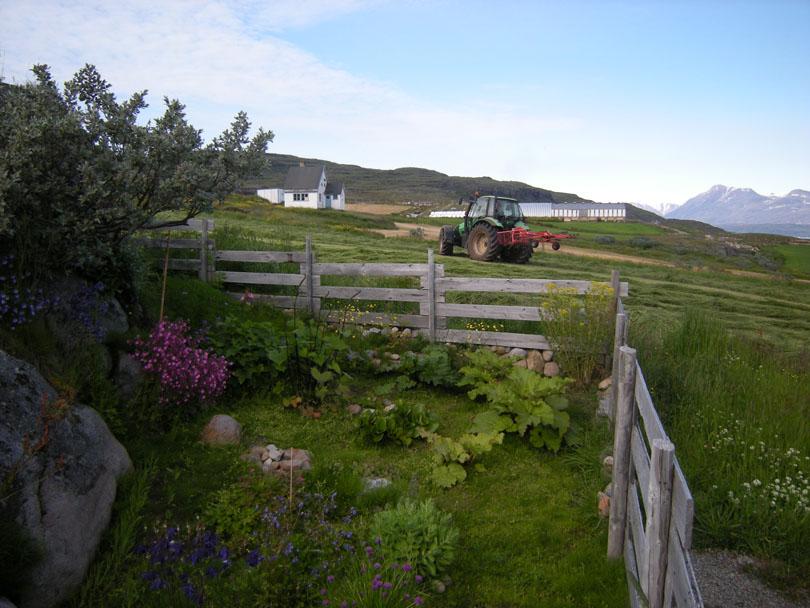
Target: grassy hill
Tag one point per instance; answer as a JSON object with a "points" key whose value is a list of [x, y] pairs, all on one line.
{"points": [[422, 188]]}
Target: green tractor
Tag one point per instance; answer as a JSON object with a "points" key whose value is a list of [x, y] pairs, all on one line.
{"points": [[495, 226]]}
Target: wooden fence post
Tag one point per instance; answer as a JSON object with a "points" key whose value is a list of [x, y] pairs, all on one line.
{"points": [[659, 509], [309, 281], [203, 273], [619, 340], [621, 451], [431, 280]]}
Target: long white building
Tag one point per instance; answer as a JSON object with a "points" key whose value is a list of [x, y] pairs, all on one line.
{"points": [[568, 212]]}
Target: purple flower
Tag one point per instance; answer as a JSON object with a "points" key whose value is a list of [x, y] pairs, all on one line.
{"points": [[418, 579], [377, 566], [418, 600], [406, 567]]}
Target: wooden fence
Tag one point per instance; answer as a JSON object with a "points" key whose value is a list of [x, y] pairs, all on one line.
{"points": [[431, 295], [651, 509], [202, 244]]}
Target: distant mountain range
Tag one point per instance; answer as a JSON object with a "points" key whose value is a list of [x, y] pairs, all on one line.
{"points": [[660, 210], [744, 210]]}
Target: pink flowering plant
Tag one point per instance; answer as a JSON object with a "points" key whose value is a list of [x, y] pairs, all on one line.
{"points": [[185, 372]]}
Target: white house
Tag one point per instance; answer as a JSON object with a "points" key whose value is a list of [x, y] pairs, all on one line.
{"points": [[308, 187]]}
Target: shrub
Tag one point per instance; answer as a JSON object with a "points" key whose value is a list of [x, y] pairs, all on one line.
{"points": [[417, 532], [185, 373], [579, 326], [603, 239], [642, 242], [401, 424]]}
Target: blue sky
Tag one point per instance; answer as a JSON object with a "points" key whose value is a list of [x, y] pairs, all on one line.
{"points": [[647, 102]]}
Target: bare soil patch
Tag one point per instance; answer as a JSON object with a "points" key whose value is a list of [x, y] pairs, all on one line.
{"points": [[376, 209], [431, 232]]}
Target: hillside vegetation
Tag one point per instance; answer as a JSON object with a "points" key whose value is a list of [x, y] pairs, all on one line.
{"points": [[423, 188]]}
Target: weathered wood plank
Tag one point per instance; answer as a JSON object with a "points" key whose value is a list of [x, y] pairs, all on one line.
{"points": [[515, 285], [374, 270], [681, 584], [184, 264], [278, 301], [174, 243], [683, 506], [489, 311], [280, 257], [652, 423], [259, 278], [632, 575], [389, 294], [659, 507], [635, 523], [641, 457], [491, 338]]}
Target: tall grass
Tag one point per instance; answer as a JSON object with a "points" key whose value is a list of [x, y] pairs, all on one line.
{"points": [[739, 414]]}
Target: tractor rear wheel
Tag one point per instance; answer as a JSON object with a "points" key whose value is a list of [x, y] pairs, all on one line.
{"points": [[446, 240], [482, 243], [516, 254]]}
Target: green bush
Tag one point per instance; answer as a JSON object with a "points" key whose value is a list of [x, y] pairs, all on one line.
{"points": [[642, 242], [402, 424], [419, 533], [603, 239]]}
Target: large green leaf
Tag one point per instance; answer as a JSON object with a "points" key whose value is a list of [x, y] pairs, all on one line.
{"points": [[448, 475]]}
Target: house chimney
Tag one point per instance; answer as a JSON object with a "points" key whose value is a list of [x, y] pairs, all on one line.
{"points": [[301, 163]]}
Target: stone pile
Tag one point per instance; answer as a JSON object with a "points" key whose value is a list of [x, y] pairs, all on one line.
{"points": [[275, 461]]}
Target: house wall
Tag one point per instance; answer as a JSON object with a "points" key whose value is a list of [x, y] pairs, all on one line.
{"points": [[274, 195], [311, 201]]}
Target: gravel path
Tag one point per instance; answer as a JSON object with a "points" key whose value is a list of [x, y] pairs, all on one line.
{"points": [[724, 583]]}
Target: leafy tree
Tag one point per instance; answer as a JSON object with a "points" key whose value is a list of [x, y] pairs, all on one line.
{"points": [[78, 174]]}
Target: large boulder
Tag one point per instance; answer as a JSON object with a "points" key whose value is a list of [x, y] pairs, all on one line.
{"points": [[63, 494]]}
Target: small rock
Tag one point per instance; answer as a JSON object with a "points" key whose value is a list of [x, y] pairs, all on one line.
{"points": [[608, 491], [406, 332], [387, 403], [534, 361], [371, 330], [607, 461], [295, 453], [501, 350], [371, 354], [394, 357], [354, 409], [603, 504], [269, 467], [521, 363], [376, 362], [604, 406], [375, 483], [390, 407], [605, 384], [548, 355], [221, 430], [297, 464], [394, 331], [551, 369], [273, 453], [255, 454], [518, 352]]}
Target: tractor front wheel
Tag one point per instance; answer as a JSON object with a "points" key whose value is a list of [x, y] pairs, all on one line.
{"points": [[516, 254], [482, 243], [446, 240]]}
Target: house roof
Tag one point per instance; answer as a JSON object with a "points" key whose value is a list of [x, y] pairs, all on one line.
{"points": [[304, 178], [334, 188]]}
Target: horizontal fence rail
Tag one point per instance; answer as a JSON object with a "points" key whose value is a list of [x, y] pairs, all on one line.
{"points": [[652, 509], [430, 296]]}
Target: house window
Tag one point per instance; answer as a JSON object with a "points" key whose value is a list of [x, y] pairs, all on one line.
{"points": [[298, 196]]}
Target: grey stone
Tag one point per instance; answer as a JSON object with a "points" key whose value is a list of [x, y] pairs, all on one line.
{"points": [[394, 357], [605, 384], [604, 406], [406, 333], [521, 363], [6, 603], [518, 352], [274, 453], [548, 355], [295, 453], [375, 483], [354, 409], [297, 464], [222, 430], [551, 369], [255, 454], [127, 378], [64, 494], [534, 361]]}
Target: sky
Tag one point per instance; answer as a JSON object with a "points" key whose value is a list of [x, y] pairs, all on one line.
{"points": [[648, 102]]}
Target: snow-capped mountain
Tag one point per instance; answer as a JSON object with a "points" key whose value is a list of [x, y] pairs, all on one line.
{"points": [[662, 209], [743, 210]]}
